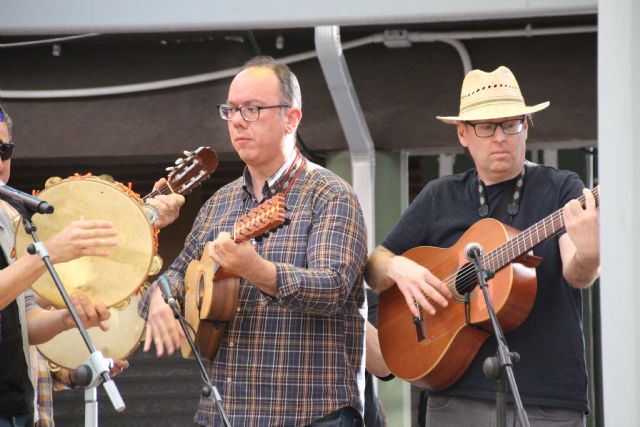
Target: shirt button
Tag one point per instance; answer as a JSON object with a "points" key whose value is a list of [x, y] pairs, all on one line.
{"points": [[228, 380], [238, 309], [230, 344]]}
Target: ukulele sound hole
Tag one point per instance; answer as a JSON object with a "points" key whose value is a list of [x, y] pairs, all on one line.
{"points": [[200, 294], [466, 282]]}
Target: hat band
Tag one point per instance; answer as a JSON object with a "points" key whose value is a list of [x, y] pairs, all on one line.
{"points": [[491, 102]]}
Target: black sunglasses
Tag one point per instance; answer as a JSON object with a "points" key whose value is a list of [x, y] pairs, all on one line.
{"points": [[6, 150]]}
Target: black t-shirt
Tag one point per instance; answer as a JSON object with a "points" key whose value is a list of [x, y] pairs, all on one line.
{"points": [[16, 391], [552, 370]]}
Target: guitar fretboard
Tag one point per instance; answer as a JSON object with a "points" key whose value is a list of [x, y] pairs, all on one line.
{"points": [[530, 238], [162, 190]]}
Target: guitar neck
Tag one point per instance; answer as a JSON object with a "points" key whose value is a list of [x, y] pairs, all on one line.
{"points": [[162, 190], [531, 237]]}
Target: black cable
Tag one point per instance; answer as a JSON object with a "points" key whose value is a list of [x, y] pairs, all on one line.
{"points": [[254, 43], [314, 156]]}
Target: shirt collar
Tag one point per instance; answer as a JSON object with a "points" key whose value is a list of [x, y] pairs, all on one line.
{"points": [[270, 185]]}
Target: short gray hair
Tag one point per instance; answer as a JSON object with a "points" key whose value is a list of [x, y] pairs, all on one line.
{"points": [[289, 86]]}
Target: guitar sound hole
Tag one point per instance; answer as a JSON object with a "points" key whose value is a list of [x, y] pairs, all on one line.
{"points": [[466, 282], [200, 294]]}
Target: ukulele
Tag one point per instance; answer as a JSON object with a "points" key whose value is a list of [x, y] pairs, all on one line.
{"points": [[211, 293], [434, 351]]}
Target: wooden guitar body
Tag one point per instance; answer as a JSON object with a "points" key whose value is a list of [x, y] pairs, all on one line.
{"points": [[449, 344], [210, 304], [212, 293]]}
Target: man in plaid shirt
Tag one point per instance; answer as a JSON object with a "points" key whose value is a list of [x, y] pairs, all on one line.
{"points": [[293, 354]]}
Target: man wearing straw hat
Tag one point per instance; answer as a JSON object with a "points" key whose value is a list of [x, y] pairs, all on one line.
{"points": [[492, 126]]}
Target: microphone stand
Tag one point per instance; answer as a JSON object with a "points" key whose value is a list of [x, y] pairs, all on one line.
{"points": [[502, 364], [208, 390], [96, 368]]}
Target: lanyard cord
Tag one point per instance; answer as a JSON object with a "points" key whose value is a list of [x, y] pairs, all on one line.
{"points": [[512, 206]]}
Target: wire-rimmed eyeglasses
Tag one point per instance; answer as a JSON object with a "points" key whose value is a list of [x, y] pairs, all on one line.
{"points": [[488, 129], [250, 113]]}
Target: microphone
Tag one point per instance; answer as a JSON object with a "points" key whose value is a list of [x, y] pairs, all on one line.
{"points": [[165, 288], [17, 197], [82, 376], [473, 251]]}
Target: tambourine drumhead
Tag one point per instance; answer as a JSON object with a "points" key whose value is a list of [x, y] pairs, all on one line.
{"points": [[111, 279], [68, 350]]}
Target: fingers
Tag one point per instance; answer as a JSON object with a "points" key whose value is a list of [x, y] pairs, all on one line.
{"points": [[573, 212], [93, 224], [418, 286], [590, 200], [418, 301], [162, 328], [148, 337], [81, 238], [121, 364], [168, 208], [442, 291], [159, 183], [91, 315], [118, 367]]}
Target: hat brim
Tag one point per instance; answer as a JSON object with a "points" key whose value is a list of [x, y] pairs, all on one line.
{"points": [[491, 112]]}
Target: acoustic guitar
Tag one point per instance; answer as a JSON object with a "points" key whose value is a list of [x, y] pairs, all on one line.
{"points": [[211, 293], [188, 172], [434, 351]]}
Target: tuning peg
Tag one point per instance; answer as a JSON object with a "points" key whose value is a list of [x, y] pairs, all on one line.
{"points": [[169, 168], [179, 161], [187, 153]]}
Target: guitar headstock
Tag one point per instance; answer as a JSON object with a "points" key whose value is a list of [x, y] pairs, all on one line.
{"points": [[191, 170], [260, 220]]}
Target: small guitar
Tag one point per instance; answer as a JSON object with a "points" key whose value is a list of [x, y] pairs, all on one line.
{"points": [[211, 293], [188, 172], [434, 351]]}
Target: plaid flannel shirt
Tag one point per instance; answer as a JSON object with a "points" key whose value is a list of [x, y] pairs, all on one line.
{"points": [[290, 359]]}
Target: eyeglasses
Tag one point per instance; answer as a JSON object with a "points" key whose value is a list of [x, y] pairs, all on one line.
{"points": [[6, 150], [250, 113], [509, 127]]}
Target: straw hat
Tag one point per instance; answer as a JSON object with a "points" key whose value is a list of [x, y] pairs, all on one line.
{"points": [[491, 96]]}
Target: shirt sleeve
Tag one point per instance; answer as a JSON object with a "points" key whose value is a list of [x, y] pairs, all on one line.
{"points": [[336, 253], [412, 228]]}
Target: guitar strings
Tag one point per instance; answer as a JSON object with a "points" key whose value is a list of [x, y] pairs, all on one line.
{"points": [[495, 258]]}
